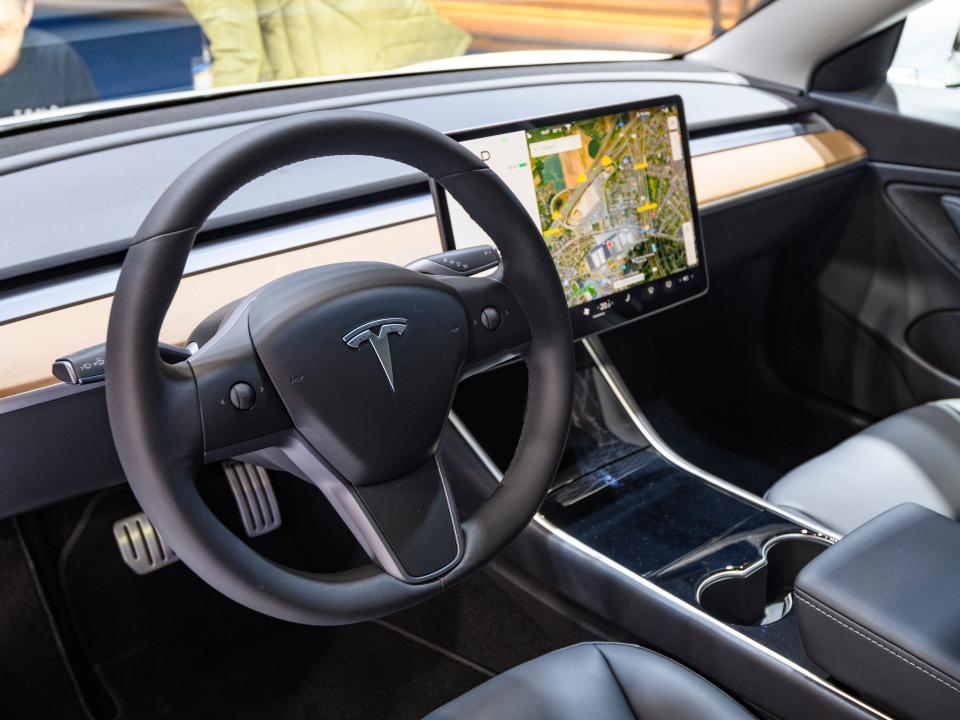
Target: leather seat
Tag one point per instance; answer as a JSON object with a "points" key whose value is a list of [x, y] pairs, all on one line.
{"points": [[595, 680], [913, 456]]}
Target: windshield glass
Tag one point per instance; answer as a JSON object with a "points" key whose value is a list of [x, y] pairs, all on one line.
{"points": [[58, 54]]}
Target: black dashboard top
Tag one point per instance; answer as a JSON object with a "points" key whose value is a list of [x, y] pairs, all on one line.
{"points": [[84, 196]]}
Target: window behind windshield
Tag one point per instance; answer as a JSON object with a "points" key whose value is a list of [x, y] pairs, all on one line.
{"points": [[59, 53]]}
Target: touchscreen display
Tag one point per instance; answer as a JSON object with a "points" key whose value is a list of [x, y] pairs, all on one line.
{"points": [[612, 196]]}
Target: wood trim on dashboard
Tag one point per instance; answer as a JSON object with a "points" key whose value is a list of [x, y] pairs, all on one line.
{"points": [[35, 342], [32, 344], [727, 174]]}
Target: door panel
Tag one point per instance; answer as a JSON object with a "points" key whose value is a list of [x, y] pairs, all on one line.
{"points": [[869, 313]]}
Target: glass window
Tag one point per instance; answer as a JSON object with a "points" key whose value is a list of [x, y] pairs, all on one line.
{"points": [[929, 49], [60, 53]]}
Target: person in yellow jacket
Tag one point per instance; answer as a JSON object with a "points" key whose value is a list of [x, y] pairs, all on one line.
{"points": [[260, 40]]}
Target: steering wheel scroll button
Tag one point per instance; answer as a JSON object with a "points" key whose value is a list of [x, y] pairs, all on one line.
{"points": [[490, 318], [234, 412], [243, 396]]}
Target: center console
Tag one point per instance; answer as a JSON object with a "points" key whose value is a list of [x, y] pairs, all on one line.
{"points": [[629, 531], [624, 495], [691, 535]]}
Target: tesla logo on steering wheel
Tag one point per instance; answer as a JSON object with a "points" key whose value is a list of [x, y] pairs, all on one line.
{"points": [[380, 340]]}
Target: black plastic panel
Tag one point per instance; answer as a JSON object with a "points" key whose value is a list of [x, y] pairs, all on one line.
{"points": [[416, 520], [862, 65], [55, 443], [936, 338], [930, 211], [852, 291], [645, 513]]}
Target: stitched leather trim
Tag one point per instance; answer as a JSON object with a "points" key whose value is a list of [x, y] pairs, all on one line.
{"points": [[880, 645]]}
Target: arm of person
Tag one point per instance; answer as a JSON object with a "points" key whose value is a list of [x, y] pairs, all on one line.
{"points": [[236, 43]]}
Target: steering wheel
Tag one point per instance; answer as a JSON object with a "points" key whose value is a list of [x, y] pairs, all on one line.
{"points": [[343, 374]]}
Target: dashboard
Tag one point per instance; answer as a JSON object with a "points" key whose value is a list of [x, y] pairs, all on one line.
{"points": [[83, 188], [611, 190]]}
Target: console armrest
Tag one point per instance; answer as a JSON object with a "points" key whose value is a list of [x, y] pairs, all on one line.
{"points": [[880, 611]]}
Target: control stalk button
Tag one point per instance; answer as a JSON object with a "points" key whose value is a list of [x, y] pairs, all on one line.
{"points": [[462, 261], [490, 318], [242, 396]]}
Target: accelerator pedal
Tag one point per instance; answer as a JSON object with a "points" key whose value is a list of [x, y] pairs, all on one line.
{"points": [[141, 547], [255, 498]]}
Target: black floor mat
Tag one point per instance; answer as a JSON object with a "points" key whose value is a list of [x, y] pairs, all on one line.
{"points": [[233, 667], [167, 646], [478, 620], [33, 675]]}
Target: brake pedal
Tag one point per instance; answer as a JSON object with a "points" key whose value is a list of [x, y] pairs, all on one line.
{"points": [[253, 492], [141, 547]]}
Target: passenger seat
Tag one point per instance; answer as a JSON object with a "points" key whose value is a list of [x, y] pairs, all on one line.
{"points": [[913, 456]]}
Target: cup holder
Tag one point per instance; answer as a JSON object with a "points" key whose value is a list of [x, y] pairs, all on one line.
{"points": [[761, 593]]}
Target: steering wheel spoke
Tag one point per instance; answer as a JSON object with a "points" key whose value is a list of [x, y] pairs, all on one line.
{"points": [[182, 435], [409, 526], [497, 326]]}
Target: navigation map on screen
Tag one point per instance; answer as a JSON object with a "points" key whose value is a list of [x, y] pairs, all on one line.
{"points": [[610, 193], [613, 201]]}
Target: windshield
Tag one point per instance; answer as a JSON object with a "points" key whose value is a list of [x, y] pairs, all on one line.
{"points": [[57, 54]]}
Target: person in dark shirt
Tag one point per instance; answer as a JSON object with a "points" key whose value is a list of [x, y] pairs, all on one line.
{"points": [[38, 71]]}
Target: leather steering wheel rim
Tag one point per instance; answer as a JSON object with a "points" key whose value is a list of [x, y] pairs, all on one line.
{"points": [[157, 427]]}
